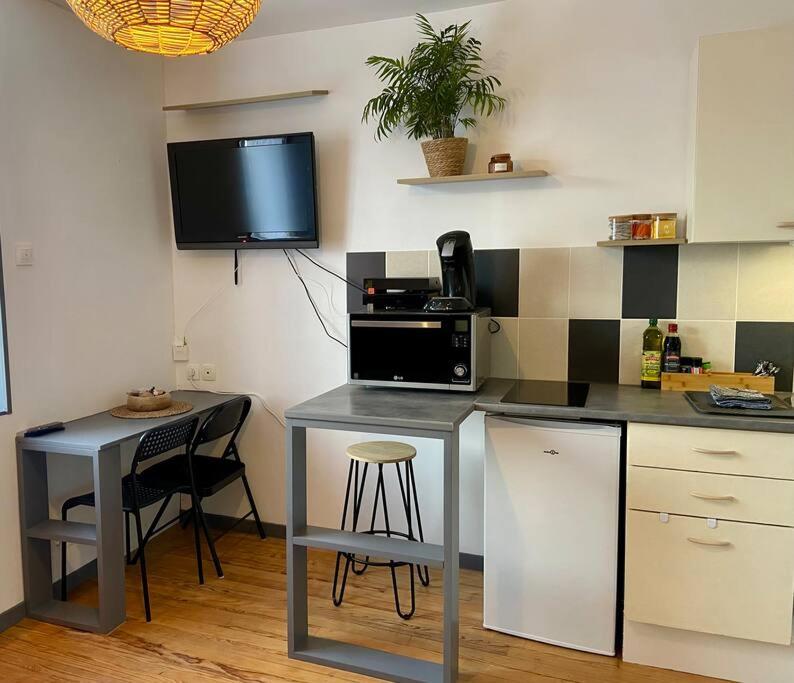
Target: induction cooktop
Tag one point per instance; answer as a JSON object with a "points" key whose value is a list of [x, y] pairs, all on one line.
{"points": [[545, 393]]}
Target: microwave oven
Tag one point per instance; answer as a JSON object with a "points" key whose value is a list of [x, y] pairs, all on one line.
{"points": [[417, 350]]}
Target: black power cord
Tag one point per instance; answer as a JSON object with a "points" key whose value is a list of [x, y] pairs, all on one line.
{"points": [[331, 272], [311, 300]]}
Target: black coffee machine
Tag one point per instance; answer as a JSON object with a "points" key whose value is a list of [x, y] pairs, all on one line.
{"points": [[458, 284]]}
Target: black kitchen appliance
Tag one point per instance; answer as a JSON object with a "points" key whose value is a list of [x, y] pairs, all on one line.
{"points": [[458, 282], [548, 393], [420, 350], [400, 293]]}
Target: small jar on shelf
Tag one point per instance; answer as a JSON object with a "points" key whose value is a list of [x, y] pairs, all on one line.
{"points": [[620, 227], [641, 226], [664, 226], [500, 163]]}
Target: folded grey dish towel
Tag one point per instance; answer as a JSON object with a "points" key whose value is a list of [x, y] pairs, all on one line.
{"points": [[733, 397]]}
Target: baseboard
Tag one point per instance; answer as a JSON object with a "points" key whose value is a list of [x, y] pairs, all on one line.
{"points": [[224, 523], [11, 617], [473, 562]]}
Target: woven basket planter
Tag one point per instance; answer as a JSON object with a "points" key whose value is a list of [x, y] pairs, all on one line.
{"points": [[446, 156]]}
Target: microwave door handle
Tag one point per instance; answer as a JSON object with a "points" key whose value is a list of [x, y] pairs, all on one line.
{"points": [[399, 324]]}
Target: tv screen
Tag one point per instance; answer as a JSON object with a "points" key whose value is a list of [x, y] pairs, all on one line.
{"points": [[245, 193]]}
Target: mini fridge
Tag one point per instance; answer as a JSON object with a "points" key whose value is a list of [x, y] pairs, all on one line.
{"points": [[552, 497]]}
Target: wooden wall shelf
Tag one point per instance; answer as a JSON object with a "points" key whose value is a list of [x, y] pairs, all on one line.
{"points": [[276, 97], [473, 177], [641, 243]]}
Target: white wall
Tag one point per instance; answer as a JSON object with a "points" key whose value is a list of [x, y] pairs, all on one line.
{"points": [[82, 177], [599, 95]]}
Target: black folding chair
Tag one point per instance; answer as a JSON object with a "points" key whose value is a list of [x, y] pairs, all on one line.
{"points": [[139, 490], [202, 476]]}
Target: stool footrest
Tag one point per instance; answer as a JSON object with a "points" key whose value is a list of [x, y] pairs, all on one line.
{"points": [[397, 549]]}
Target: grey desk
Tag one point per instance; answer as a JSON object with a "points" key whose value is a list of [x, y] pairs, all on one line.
{"points": [[425, 414], [98, 437]]}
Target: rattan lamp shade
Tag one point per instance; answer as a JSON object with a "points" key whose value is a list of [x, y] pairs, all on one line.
{"points": [[168, 27]]}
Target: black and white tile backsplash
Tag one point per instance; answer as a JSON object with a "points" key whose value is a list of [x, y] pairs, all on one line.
{"points": [[579, 313]]}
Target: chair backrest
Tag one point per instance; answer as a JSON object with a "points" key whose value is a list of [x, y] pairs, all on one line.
{"points": [[163, 439], [227, 419]]}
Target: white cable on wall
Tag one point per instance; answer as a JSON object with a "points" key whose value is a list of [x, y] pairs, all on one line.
{"points": [[214, 297], [259, 397]]}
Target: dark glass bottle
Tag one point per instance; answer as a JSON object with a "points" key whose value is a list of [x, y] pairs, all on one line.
{"points": [[671, 353], [652, 356]]}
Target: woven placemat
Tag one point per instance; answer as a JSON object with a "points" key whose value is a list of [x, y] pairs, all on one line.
{"points": [[176, 408]]}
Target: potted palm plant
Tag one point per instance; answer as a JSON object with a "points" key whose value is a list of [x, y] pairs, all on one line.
{"points": [[437, 89]]}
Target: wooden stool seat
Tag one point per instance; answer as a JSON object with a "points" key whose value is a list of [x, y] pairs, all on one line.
{"points": [[381, 452]]}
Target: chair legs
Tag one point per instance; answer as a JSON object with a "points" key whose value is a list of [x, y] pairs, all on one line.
{"points": [[64, 513], [202, 520], [259, 527], [141, 557], [197, 538], [127, 536]]}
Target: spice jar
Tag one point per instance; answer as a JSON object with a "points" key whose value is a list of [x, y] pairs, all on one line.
{"points": [[664, 226], [500, 163], [641, 226], [620, 227]]}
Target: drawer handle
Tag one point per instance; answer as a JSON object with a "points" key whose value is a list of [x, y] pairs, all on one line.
{"points": [[706, 496], [713, 544], [710, 451], [786, 224]]}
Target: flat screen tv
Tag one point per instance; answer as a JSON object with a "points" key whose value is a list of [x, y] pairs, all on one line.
{"points": [[245, 193]]}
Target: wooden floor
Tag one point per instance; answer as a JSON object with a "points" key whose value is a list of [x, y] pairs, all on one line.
{"points": [[233, 629]]}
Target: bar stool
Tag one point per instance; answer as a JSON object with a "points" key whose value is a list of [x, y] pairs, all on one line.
{"points": [[381, 453]]}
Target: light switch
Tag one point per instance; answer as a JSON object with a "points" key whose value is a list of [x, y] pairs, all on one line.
{"points": [[24, 254]]}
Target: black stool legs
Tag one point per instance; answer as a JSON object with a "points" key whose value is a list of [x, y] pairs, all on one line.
{"points": [[356, 479]]}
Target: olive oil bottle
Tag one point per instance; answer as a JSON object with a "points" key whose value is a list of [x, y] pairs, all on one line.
{"points": [[652, 356]]}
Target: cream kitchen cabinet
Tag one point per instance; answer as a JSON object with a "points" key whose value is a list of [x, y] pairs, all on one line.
{"points": [[710, 531], [744, 138]]}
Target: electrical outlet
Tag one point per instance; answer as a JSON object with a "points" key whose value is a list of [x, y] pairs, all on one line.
{"points": [[208, 373], [24, 254], [181, 352], [193, 373]]}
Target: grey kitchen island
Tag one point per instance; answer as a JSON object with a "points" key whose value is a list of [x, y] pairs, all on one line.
{"points": [[428, 414], [436, 415]]}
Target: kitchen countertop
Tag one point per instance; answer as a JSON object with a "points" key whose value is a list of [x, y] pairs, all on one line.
{"points": [[444, 411]]}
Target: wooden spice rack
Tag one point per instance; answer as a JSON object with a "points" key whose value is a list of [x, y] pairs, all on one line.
{"points": [[683, 381]]}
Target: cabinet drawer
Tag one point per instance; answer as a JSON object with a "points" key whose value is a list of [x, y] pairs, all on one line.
{"points": [[736, 580], [742, 499], [724, 451]]}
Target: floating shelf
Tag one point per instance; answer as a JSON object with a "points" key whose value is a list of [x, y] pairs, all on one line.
{"points": [[473, 177], [641, 243], [276, 97]]}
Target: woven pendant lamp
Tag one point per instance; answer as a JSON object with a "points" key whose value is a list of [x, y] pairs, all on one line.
{"points": [[168, 27]]}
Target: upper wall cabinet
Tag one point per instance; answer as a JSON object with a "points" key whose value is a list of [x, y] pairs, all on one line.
{"points": [[744, 138]]}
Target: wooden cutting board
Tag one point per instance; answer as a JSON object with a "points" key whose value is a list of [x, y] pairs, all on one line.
{"points": [[682, 381]]}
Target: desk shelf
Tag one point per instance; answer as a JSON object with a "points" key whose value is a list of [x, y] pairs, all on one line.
{"points": [[71, 614], [67, 532]]}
